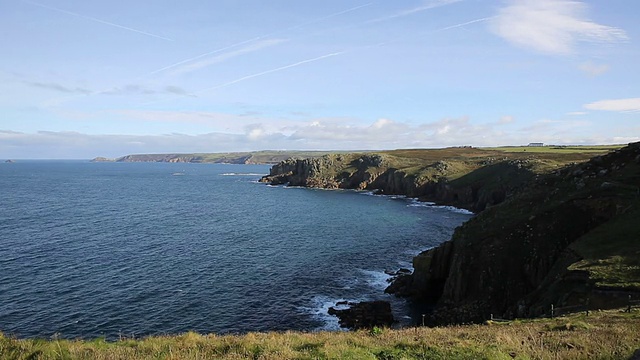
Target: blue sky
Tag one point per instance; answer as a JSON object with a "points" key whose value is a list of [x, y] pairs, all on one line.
{"points": [[80, 79]]}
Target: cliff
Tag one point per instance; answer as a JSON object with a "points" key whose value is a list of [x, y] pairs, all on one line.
{"points": [[464, 177], [552, 228], [570, 238]]}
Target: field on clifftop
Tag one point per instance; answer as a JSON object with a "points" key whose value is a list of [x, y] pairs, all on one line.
{"points": [[601, 335]]}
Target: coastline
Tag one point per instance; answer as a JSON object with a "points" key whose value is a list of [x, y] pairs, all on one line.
{"points": [[538, 217], [405, 312]]}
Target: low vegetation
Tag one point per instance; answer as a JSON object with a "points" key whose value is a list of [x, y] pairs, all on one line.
{"points": [[601, 335]]}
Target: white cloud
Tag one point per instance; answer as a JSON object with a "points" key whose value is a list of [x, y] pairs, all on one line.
{"points": [[507, 119], [551, 26], [577, 113], [316, 134], [619, 105], [59, 87]]}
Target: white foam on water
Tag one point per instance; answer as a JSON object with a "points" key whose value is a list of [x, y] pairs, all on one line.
{"points": [[402, 264], [242, 174], [319, 310], [376, 279], [454, 209], [417, 203]]}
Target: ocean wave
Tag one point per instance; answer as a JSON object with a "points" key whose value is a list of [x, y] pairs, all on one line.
{"points": [[242, 174], [454, 209], [319, 311], [417, 203], [376, 279]]}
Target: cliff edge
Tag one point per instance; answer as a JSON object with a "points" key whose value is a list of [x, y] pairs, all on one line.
{"points": [[570, 238], [552, 228]]}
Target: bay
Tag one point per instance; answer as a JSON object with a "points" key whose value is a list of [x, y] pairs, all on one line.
{"points": [[137, 249]]}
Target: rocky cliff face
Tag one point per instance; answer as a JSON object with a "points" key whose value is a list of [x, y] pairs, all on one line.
{"points": [[385, 174], [513, 259]]}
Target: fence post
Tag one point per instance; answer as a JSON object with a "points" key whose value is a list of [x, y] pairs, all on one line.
{"points": [[629, 305], [552, 311], [491, 317], [422, 319], [587, 306]]}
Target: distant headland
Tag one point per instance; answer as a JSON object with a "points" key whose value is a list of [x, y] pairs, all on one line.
{"points": [[254, 157]]}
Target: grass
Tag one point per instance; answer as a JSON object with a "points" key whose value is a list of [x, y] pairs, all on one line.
{"points": [[603, 335], [558, 149], [611, 253]]}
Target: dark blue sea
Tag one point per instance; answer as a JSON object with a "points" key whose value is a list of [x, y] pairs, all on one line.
{"points": [[136, 249]]}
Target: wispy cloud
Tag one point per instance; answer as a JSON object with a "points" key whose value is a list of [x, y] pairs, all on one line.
{"points": [[226, 56], [59, 88], [507, 119], [427, 5], [95, 20], [618, 105], [132, 89], [593, 69], [551, 26]]}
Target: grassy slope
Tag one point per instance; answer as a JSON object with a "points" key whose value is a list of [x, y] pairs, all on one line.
{"points": [[465, 160], [610, 255], [602, 335]]}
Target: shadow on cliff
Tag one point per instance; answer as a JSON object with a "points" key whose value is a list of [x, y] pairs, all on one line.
{"points": [[569, 238]]}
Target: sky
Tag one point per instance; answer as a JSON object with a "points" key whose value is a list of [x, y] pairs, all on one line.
{"points": [[81, 79]]}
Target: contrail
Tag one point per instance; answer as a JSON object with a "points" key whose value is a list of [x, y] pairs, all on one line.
{"points": [[318, 58], [324, 57], [463, 24], [429, 6], [95, 19], [268, 72], [247, 77], [433, 31], [228, 55], [259, 37]]}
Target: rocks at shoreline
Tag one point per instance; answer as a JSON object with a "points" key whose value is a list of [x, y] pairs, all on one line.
{"points": [[363, 315]]}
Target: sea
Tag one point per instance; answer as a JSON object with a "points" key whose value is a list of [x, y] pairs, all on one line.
{"points": [[130, 250]]}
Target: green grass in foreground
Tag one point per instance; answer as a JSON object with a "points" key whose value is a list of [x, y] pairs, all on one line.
{"points": [[603, 335]]}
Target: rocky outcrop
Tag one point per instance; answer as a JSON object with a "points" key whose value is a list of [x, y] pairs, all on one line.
{"points": [[513, 259], [102, 159], [364, 315]]}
